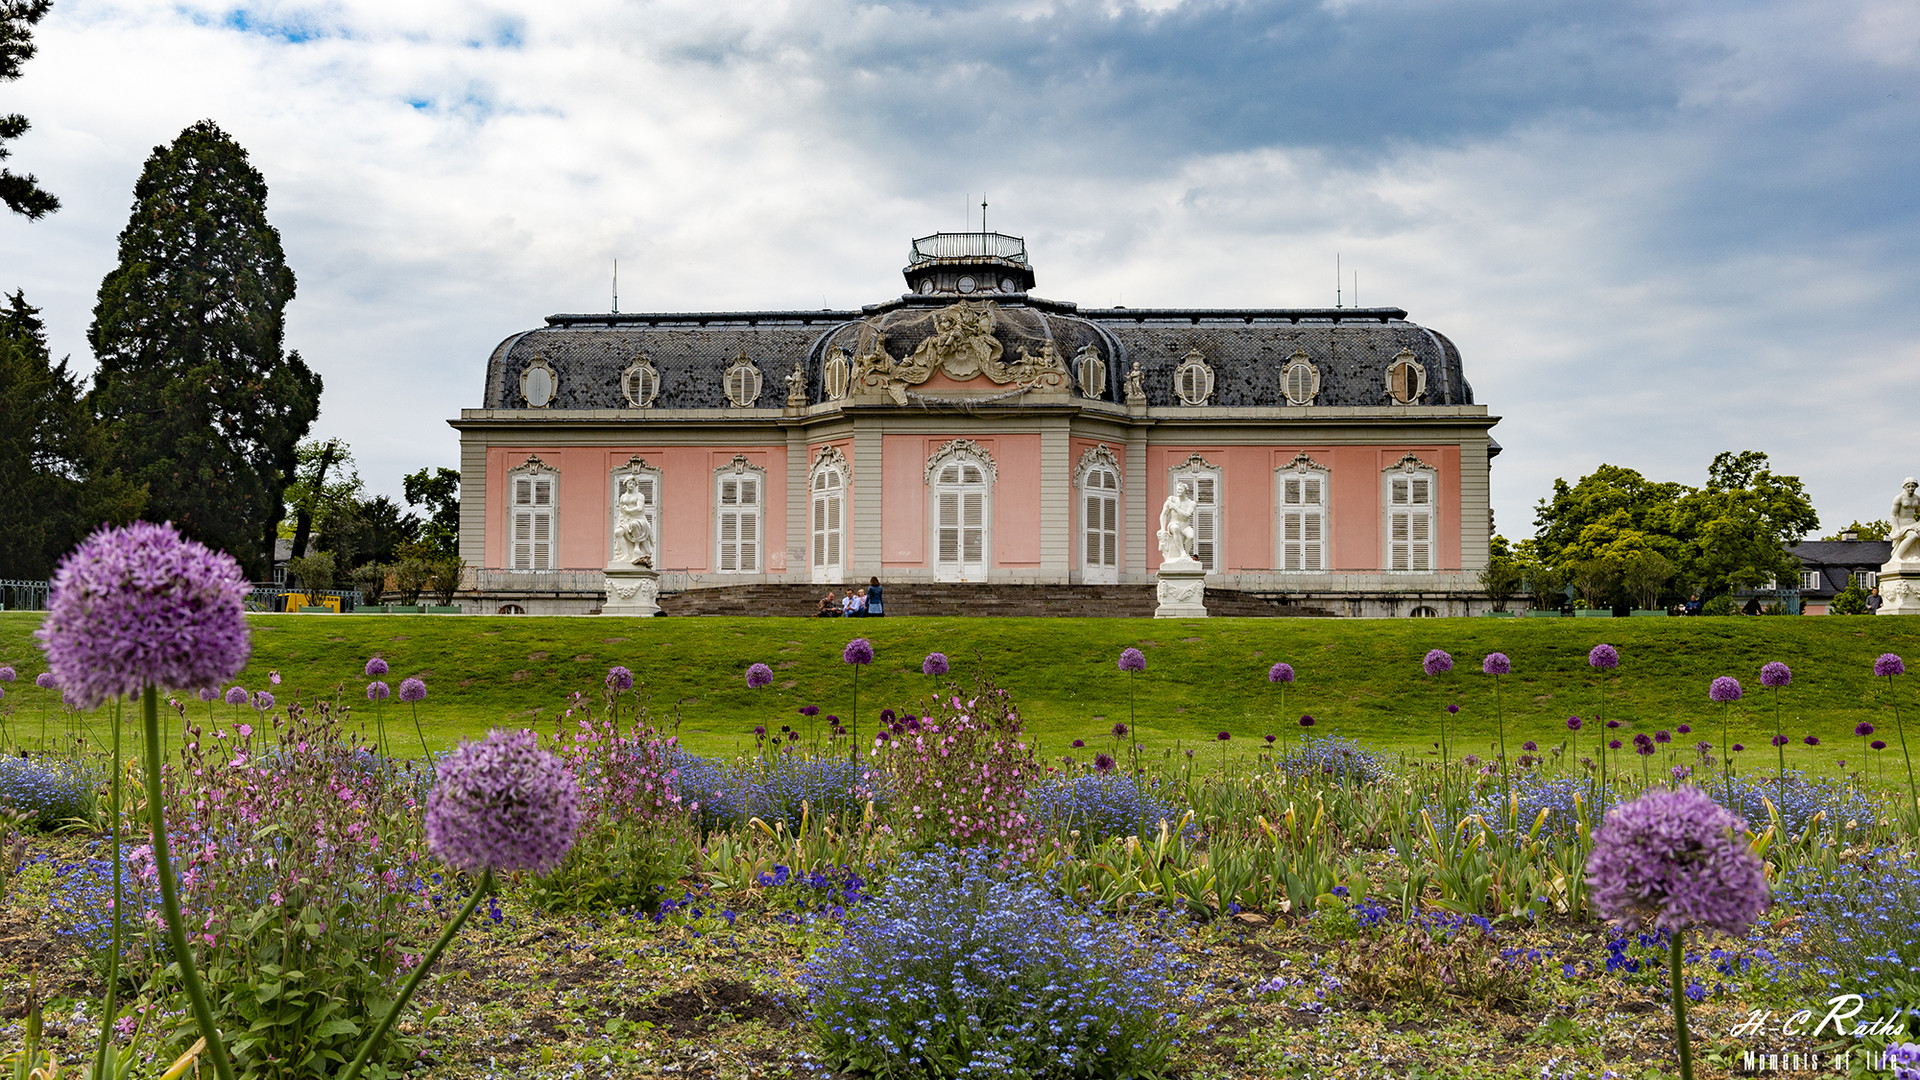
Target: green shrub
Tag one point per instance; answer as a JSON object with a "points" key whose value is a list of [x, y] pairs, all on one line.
{"points": [[1720, 605], [1851, 601]]}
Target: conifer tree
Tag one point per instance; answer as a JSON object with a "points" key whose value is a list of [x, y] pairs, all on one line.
{"points": [[53, 491], [22, 194], [199, 400]]}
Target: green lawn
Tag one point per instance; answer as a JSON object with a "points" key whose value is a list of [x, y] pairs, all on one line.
{"points": [[1357, 677]]}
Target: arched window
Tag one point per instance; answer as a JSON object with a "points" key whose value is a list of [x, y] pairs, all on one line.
{"points": [[1408, 490], [534, 493], [738, 488], [959, 478], [648, 481], [1098, 479], [1302, 507], [1203, 482], [829, 497], [1423, 612]]}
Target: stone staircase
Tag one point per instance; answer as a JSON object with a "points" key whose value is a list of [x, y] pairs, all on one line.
{"points": [[908, 599]]}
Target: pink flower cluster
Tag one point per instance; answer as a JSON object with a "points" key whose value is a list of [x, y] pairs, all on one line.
{"points": [[961, 772]]}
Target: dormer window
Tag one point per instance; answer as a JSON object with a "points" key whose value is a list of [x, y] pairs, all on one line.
{"points": [[1300, 379], [1406, 379], [1193, 380], [743, 382], [640, 383]]}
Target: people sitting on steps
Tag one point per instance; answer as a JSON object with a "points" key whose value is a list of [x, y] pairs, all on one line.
{"points": [[829, 607]]}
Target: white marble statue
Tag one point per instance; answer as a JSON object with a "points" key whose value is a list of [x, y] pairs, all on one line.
{"points": [[1176, 526], [1906, 523], [632, 532]]}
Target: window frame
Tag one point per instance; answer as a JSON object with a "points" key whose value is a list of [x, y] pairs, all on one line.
{"points": [[1193, 470], [1099, 462], [740, 471], [1410, 471], [534, 473], [961, 452], [650, 476], [828, 461], [1301, 470]]}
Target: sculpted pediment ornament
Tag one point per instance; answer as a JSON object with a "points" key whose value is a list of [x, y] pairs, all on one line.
{"points": [[1302, 461], [962, 346], [1408, 464]]}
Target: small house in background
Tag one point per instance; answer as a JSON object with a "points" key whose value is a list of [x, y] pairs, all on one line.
{"points": [[1827, 567]]}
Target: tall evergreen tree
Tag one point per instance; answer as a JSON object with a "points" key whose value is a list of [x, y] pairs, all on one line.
{"points": [[53, 491], [22, 194], [199, 400]]}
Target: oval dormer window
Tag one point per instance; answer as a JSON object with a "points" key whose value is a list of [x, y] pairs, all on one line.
{"points": [[1007, 285], [1406, 379], [538, 383], [743, 382], [837, 375], [1300, 380], [1193, 380], [640, 383]]}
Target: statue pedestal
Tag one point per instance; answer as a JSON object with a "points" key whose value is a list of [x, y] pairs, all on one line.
{"points": [[1181, 590], [1900, 588], [632, 590]]}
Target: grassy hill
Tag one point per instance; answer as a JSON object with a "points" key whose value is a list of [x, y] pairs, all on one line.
{"points": [[1360, 678]]}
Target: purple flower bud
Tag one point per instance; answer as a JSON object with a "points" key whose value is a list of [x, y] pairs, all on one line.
{"points": [[1133, 660], [934, 664], [1529, 746], [262, 700], [209, 693], [619, 679], [1496, 664], [1775, 675], [1119, 731], [1863, 729], [1281, 673], [858, 651], [1453, 708], [1678, 856], [1877, 745], [1573, 723], [412, 690], [1078, 744], [1614, 744], [1812, 740], [1889, 664], [1781, 740], [6, 674], [808, 710], [503, 804], [141, 606], [1270, 738], [1437, 662], [1738, 747], [1725, 688], [1604, 657], [1223, 736], [758, 676], [1306, 721], [376, 667], [377, 691], [1103, 762], [1612, 724], [237, 695]]}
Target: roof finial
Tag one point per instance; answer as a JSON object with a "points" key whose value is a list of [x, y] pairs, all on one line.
{"points": [[616, 286], [983, 215], [1336, 279]]}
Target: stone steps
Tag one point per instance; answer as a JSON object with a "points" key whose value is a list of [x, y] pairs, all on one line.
{"points": [[953, 599]]}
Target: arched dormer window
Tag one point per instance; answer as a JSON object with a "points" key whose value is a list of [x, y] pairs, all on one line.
{"points": [[533, 494], [640, 383], [743, 382]]}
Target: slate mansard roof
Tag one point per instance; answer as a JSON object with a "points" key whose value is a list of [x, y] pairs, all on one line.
{"points": [[1247, 349]]}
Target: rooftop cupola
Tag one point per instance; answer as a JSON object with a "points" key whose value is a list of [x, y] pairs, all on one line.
{"points": [[969, 264]]}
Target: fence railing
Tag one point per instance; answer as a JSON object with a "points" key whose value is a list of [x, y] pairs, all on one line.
{"points": [[23, 595]]}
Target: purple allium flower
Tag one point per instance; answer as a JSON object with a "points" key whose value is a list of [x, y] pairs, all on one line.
{"points": [[1643, 746], [377, 691], [376, 667], [1781, 740], [807, 710], [45, 680], [1604, 657], [1270, 738], [1078, 744], [1680, 857], [1496, 664], [619, 679], [237, 695], [1529, 746], [1453, 708], [1573, 723], [1223, 736], [759, 675], [759, 729], [1812, 740], [1889, 664], [1103, 762], [1681, 772], [1280, 673], [1684, 729], [412, 689], [793, 736], [1704, 748], [886, 716], [1775, 675], [1437, 662], [1306, 721], [934, 664], [273, 677], [1119, 731], [1662, 737], [1612, 724], [1863, 729], [1133, 659], [6, 674], [1738, 747], [262, 700], [858, 651], [1614, 744], [1877, 745], [1725, 688], [141, 606], [503, 804]]}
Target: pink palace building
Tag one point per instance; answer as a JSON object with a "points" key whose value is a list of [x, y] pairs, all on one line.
{"points": [[970, 431]]}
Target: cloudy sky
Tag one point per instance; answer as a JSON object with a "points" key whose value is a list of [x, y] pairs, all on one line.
{"points": [[1655, 230]]}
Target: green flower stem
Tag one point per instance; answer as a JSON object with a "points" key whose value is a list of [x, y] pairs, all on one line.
{"points": [[113, 962], [1680, 1008], [1500, 712], [420, 970], [1913, 794], [1778, 746], [424, 752], [1726, 757], [853, 722], [170, 894]]}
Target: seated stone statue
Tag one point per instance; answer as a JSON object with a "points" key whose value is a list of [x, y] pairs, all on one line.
{"points": [[1176, 526], [632, 532], [1906, 523]]}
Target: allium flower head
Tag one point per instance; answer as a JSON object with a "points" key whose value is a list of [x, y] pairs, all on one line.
{"points": [[934, 664], [1281, 673], [1877, 745], [758, 676], [1781, 740], [858, 651], [1453, 708], [503, 804], [1496, 664], [1889, 664], [1863, 729], [376, 667], [1812, 740], [1529, 746], [45, 680], [1573, 723], [141, 606], [619, 679], [1306, 721], [412, 689], [1680, 857], [1133, 659], [808, 710], [1437, 662], [262, 700], [1738, 748], [1725, 688], [1604, 657], [1612, 724], [1613, 744], [377, 691], [1103, 762], [237, 695], [1119, 731], [1775, 675], [1224, 736], [1079, 744], [209, 693], [6, 674], [1271, 738], [1685, 729]]}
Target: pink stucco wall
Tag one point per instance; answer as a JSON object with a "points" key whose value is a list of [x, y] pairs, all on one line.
{"points": [[582, 516], [1015, 498]]}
